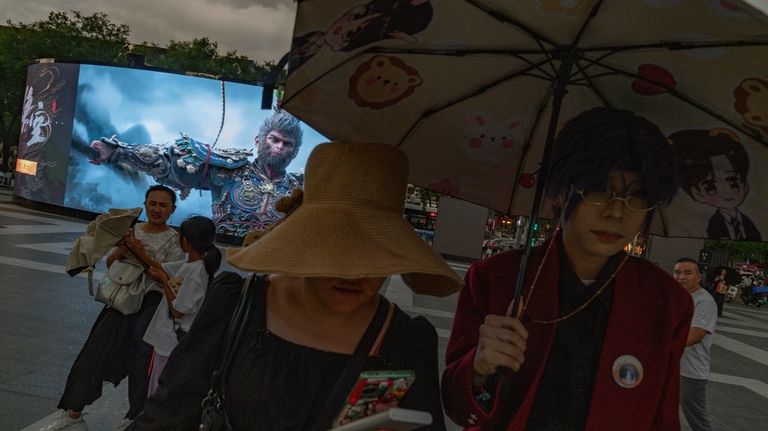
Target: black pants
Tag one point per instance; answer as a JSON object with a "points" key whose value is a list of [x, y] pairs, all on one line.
{"points": [[719, 299], [114, 349]]}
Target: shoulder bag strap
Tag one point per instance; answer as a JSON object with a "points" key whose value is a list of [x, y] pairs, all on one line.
{"points": [[90, 279], [251, 288], [383, 332], [338, 394]]}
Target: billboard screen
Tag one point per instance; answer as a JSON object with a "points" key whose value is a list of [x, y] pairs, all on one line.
{"points": [[96, 137]]}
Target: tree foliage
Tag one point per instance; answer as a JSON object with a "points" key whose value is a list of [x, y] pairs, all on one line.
{"points": [[201, 55], [94, 38], [741, 250]]}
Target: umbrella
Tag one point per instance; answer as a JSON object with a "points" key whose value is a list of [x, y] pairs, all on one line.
{"points": [[474, 91], [732, 276], [100, 236]]}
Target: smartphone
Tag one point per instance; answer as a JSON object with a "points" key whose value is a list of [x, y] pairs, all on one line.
{"points": [[396, 419], [374, 392]]}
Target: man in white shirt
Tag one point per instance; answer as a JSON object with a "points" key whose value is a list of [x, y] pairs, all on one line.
{"points": [[695, 363]]}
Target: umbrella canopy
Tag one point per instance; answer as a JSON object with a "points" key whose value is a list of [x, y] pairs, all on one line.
{"points": [[474, 91], [732, 277], [100, 235]]}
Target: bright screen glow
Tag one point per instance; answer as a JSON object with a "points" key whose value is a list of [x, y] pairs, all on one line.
{"points": [[68, 106]]}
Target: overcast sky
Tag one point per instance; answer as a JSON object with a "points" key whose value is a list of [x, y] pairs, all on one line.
{"points": [[259, 29]]}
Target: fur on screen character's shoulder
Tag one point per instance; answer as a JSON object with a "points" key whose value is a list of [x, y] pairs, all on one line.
{"points": [[192, 155], [296, 178]]}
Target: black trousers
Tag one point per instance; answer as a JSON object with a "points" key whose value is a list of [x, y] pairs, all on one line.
{"points": [[115, 349], [719, 299]]}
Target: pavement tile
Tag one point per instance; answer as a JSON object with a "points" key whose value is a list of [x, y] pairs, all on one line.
{"points": [[730, 363], [17, 409], [734, 408], [45, 318], [47, 382]]}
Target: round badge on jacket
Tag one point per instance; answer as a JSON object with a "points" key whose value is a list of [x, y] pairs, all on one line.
{"points": [[627, 371]]}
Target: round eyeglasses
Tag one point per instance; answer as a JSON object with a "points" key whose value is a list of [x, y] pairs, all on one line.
{"points": [[633, 203]]}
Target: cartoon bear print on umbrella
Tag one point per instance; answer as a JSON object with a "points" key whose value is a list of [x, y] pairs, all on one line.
{"points": [[752, 103], [382, 81]]}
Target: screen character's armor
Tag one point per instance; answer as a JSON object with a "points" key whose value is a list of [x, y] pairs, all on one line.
{"points": [[243, 194]]}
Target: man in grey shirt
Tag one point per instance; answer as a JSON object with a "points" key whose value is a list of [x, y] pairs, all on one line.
{"points": [[694, 365]]}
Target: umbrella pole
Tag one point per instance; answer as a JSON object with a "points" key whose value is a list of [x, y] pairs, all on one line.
{"points": [[563, 75], [567, 57]]}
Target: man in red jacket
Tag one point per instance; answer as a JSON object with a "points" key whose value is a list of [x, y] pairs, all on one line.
{"points": [[598, 343]]}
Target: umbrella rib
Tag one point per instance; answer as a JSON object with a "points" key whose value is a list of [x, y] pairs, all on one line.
{"points": [[597, 75], [592, 12], [482, 89], [506, 19], [518, 54], [682, 97], [441, 52], [672, 46], [457, 52], [543, 78], [677, 46], [591, 84]]}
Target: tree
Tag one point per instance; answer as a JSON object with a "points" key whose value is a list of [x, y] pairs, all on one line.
{"points": [[201, 55], [94, 38], [741, 250], [68, 35]]}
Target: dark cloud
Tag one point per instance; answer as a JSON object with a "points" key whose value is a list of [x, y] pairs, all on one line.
{"points": [[260, 29], [244, 4]]}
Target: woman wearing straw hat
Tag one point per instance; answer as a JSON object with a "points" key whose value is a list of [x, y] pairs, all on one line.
{"points": [[307, 336]]}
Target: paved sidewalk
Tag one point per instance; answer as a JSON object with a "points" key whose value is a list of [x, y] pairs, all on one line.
{"points": [[45, 316]]}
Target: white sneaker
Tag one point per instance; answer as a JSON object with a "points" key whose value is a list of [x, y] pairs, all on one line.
{"points": [[124, 424], [64, 422]]}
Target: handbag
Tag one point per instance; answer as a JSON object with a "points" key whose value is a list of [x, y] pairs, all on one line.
{"points": [[214, 416], [123, 287], [180, 332]]}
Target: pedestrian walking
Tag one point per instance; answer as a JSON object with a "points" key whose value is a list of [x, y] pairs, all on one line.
{"points": [[318, 320], [720, 286], [115, 348], [695, 364], [185, 283], [597, 341]]}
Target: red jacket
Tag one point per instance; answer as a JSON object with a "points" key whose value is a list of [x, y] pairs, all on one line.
{"points": [[649, 319]]}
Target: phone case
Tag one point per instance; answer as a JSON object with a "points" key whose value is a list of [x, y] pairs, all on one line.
{"points": [[396, 419], [374, 392]]}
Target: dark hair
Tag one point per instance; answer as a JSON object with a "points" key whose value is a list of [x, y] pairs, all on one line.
{"points": [[392, 16], [689, 260], [201, 233], [599, 140], [303, 48], [693, 151], [161, 188]]}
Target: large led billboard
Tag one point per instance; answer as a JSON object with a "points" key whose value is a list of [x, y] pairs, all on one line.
{"points": [[96, 137]]}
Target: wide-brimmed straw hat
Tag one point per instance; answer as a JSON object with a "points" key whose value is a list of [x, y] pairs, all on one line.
{"points": [[350, 224]]}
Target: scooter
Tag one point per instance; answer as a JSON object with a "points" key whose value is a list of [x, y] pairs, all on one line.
{"points": [[757, 295]]}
